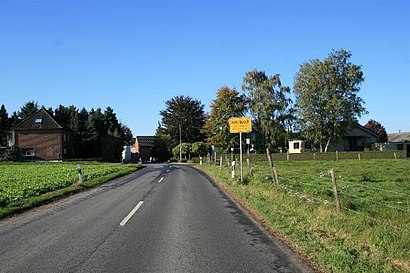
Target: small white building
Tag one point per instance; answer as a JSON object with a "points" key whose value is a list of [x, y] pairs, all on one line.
{"points": [[296, 146]]}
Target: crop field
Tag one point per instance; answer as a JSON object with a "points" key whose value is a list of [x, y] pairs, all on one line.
{"points": [[372, 232], [19, 181]]}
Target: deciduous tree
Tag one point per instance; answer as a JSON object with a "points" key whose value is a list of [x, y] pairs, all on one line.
{"points": [[269, 106], [327, 97], [185, 150], [162, 147], [377, 128], [185, 115], [228, 104], [199, 148]]}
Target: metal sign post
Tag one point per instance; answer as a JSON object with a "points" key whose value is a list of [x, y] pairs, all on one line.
{"points": [[240, 125], [240, 155]]}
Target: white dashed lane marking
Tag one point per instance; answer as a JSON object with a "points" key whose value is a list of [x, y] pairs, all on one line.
{"points": [[134, 210]]}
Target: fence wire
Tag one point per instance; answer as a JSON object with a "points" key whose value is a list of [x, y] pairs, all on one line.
{"points": [[291, 186]]}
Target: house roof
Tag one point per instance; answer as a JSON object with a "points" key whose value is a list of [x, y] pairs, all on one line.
{"points": [[40, 120], [144, 141], [399, 137], [366, 130], [350, 132]]}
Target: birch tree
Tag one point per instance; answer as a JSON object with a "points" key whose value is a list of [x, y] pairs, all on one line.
{"points": [[269, 107], [327, 98]]}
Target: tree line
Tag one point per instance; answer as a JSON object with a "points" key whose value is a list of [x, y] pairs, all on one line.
{"points": [[326, 103], [96, 133]]}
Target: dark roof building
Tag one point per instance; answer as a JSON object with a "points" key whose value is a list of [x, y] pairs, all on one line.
{"points": [[143, 147], [356, 138], [41, 137], [41, 120]]}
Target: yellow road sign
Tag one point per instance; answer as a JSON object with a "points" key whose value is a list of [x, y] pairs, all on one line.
{"points": [[240, 125]]}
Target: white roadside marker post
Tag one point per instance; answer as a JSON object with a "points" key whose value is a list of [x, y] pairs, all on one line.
{"points": [[80, 174], [233, 169]]}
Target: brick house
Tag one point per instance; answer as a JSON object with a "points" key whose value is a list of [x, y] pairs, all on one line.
{"points": [[41, 137], [143, 147]]}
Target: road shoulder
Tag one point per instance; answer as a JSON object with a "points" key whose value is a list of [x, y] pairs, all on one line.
{"points": [[299, 258]]}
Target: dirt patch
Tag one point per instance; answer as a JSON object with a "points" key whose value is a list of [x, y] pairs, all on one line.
{"points": [[403, 265]]}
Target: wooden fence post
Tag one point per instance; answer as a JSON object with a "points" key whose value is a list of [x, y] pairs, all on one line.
{"points": [[358, 155], [271, 168], [337, 201], [276, 176]]}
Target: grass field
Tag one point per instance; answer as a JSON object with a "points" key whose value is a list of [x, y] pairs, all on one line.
{"points": [[372, 234], [23, 185]]}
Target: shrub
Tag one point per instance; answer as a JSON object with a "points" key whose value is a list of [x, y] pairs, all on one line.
{"points": [[13, 154]]}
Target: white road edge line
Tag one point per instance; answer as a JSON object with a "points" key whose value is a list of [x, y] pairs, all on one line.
{"points": [[134, 210], [161, 180]]}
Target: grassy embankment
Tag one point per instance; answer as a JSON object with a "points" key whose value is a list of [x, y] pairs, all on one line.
{"points": [[26, 185], [372, 234]]}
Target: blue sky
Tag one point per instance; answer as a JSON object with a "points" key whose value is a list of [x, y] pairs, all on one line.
{"points": [[135, 55]]}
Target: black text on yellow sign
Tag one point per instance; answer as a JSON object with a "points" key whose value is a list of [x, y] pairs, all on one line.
{"points": [[240, 125]]}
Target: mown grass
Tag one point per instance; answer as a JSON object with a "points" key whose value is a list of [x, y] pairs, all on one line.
{"points": [[372, 234], [26, 185]]}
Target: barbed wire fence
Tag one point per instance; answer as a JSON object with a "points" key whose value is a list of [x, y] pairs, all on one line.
{"points": [[323, 194]]}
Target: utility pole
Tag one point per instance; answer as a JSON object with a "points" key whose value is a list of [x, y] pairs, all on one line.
{"points": [[180, 144]]}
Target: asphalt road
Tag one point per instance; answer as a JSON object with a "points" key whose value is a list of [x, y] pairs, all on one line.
{"points": [[160, 219]]}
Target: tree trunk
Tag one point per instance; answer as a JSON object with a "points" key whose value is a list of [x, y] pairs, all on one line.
{"points": [[327, 145], [271, 165]]}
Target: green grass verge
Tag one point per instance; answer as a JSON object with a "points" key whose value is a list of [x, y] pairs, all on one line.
{"points": [[27, 185], [372, 234]]}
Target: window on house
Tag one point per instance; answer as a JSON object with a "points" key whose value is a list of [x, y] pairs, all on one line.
{"points": [[64, 137], [296, 145], [64, 151], [28, 152], [399, 147], [38, 121]]}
